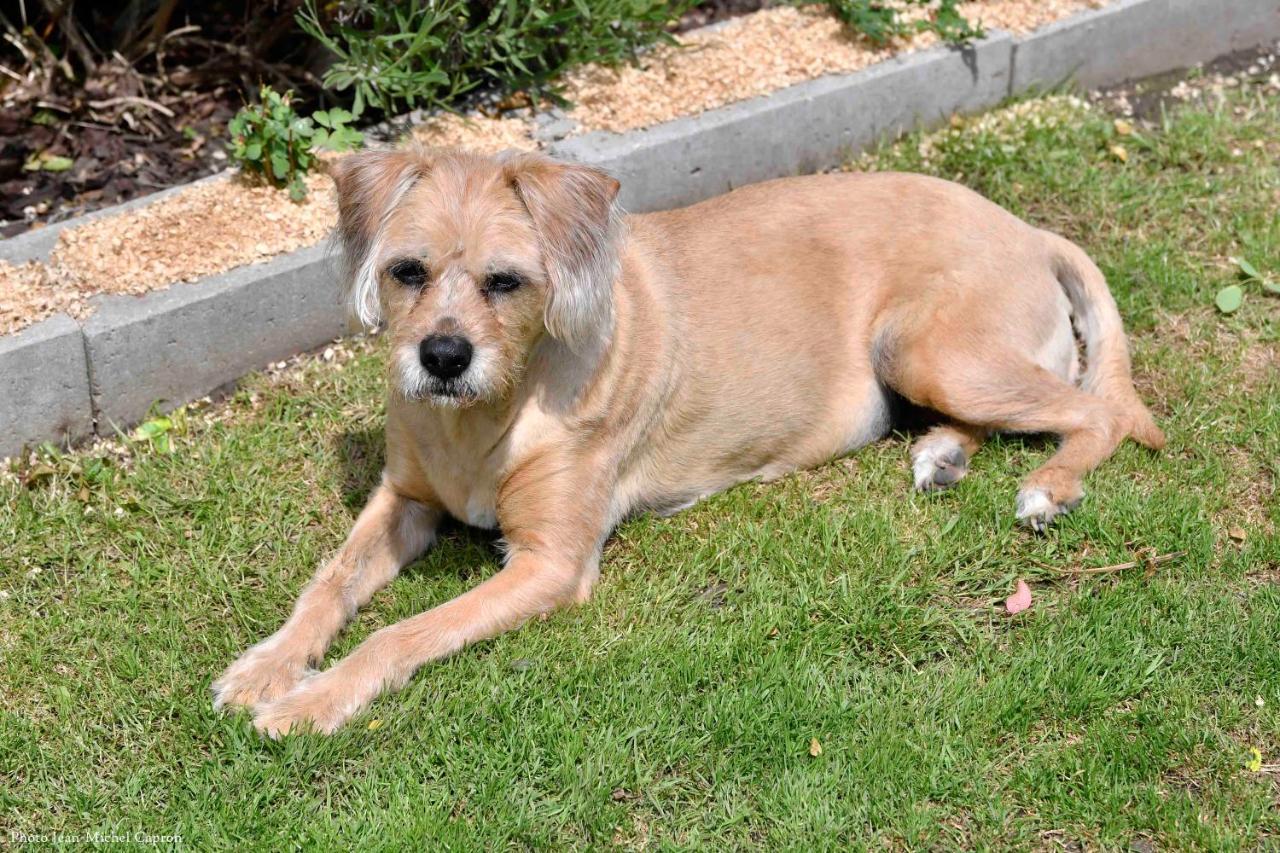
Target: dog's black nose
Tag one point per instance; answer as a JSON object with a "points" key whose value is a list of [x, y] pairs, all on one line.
{"points": [[445, 356]]}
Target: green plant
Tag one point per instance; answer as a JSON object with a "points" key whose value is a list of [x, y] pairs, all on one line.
{"points": [[270, 138], [1230, 298], [395, 55], [880, 21]]}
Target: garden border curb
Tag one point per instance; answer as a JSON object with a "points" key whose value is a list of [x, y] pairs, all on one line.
{"points": [[695, 157], [171, 346], [44, 385], [1109, 45], [61, 380]]}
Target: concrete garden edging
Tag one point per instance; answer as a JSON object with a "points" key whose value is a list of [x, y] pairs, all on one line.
{"points": [[44, 385], [61, 380], [804, 127], [174, 345], [1115, 43]]}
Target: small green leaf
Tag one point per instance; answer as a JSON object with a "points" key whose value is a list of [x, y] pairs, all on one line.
{"points": [[279, 166], [47, 162], [1229, 298], [297, 188], [321, 118], [153, 428], [253, 151], [1270, 286], [1247, 268]]}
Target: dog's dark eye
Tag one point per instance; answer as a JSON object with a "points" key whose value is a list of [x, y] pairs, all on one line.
{"points": [[408, 272], [502, 282]]}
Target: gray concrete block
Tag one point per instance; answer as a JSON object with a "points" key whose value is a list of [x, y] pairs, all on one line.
{"points": [[802, 128], [1132, 39], [44, 386], [175, 345], [552, 125]]}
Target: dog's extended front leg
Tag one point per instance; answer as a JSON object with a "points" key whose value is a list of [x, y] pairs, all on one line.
{"points": [[552, 561], [391, 531], [532, 583]]}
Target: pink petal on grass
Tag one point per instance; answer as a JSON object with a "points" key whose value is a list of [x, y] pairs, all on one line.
{"points": [[1020, 600]]}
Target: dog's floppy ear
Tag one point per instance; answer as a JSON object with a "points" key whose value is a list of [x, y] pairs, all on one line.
{"points": [[579, 229], [370, 184]]}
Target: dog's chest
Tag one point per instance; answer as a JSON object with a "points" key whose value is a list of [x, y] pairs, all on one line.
{"points": [[468, 488], [466, 465], [482, 507]]}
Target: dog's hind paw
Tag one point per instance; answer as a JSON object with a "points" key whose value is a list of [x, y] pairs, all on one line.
{"points": [[1037, 509], [938, 465]]}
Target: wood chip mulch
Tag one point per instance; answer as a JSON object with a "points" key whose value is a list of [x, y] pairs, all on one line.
{"points": [[757, 54]]}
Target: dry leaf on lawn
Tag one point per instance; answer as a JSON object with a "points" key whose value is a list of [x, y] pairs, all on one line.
{"points": [[1020, 600]]}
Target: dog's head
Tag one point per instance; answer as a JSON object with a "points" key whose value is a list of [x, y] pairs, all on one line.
{"points": [[470, 260]]}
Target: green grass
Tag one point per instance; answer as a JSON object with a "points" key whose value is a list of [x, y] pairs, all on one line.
{"points": [[675, 710]]}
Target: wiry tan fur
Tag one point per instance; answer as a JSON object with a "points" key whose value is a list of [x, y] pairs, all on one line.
{"points": [[650, 362]]}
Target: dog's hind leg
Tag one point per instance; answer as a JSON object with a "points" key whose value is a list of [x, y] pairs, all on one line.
{"points": [[391, 531], [940, 458], [996, 389]]}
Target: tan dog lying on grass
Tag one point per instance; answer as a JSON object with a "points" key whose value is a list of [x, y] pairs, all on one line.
{"points": [[556, 368]]}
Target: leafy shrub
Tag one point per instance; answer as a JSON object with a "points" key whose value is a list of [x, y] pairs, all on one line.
{"points": [[270, 139], [395, 55], [423, 52], [880, 22]]}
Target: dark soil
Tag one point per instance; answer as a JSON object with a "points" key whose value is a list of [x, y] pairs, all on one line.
{"points": [[104, 102], [715, 11], [129, 130], [110, 163], [1149, 98]]}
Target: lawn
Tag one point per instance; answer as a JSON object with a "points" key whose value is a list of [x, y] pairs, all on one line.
{"points": [[679, 706]]}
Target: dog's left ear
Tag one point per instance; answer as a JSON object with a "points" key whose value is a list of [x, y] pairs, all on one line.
{"points": [[574, 211]]}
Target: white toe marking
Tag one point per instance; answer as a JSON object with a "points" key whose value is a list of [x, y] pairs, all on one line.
{"points": [[1036, 503], [925, 459]]}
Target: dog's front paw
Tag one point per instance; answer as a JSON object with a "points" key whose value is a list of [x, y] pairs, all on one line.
{"points": [[262, 674], [320, 704]]}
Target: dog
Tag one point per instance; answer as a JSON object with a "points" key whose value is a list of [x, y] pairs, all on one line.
{"points": [[556, 367]]}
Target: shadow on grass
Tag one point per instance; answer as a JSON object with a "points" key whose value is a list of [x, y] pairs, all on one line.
{"points": [[361, 455]]}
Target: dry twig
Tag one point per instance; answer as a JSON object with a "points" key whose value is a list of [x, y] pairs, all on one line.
{"points": [[1147, 562]]}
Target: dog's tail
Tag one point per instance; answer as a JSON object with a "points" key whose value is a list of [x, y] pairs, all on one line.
{"points": [[1097, 322]]}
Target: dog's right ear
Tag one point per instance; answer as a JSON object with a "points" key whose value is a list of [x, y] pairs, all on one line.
{"points": [[370, 185]]}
